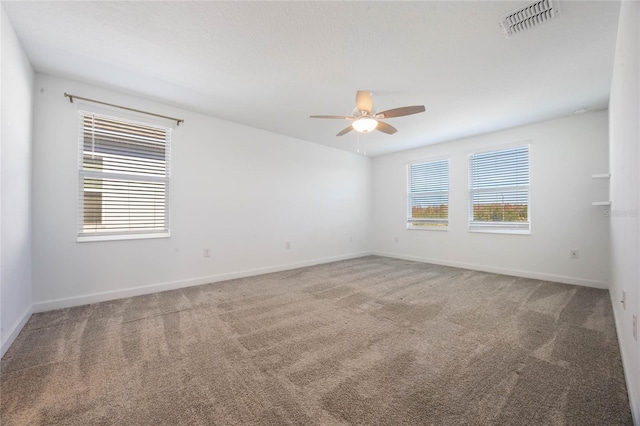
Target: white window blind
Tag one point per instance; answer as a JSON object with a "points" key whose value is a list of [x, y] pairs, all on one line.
{"points": [[123, 179], [428, 195], [499, 190]]}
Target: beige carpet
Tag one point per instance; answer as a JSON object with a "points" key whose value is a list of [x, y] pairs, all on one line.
{"points": [[372, 341]]}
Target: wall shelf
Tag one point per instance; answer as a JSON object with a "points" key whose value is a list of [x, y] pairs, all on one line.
{"points": [[601, 176], [601, 203]]}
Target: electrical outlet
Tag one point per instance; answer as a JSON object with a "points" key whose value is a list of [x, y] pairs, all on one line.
{"points": [[396, 239], [635, 327], [206, 252], [287, 245], [624, 300], [574, 254]]}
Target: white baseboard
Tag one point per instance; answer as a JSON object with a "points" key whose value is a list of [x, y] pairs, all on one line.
{"points": [[15, 329], [502, 271], [67, 302], [633, 391], [633, 385]]}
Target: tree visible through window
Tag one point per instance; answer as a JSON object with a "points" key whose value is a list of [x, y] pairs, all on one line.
{"points": [[428, 194], [499, 190], [123, 177]]}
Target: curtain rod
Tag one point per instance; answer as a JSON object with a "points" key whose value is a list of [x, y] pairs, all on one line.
{"points": [[177, 120]]}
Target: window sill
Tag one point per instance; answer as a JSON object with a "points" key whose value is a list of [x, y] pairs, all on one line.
{"points": [[502, 231], [91, 238], [426, 228]]}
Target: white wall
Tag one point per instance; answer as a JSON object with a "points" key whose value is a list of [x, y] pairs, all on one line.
{"points": [[625, 183], [564, 154], [239, 191], [15, 217]]}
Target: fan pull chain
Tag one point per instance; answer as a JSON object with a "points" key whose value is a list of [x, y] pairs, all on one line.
{"points": [[360, 145]]}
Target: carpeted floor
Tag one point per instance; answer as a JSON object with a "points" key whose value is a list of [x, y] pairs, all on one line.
{"points": [[372, 341]]}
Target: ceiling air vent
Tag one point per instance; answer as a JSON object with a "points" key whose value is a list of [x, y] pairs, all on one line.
{"points": [[528, 16]]}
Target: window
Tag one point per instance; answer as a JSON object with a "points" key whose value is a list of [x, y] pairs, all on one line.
{"points": [[499, 190], [428, 198], [123, 179]]}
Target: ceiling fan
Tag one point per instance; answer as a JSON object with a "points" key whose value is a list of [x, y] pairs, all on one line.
{"points": [[365, 119]]}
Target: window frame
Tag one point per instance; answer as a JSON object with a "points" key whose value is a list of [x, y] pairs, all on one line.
{"points": [[444, 223], [83, 173], [515, 228]]}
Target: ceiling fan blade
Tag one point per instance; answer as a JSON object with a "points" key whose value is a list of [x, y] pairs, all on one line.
{"points": [[399, 112], [386, 128], [339, 117], [345, 131], [363, 101]]}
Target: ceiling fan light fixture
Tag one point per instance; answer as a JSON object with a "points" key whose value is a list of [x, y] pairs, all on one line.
{"points": [[364, 124], [365, 120]]}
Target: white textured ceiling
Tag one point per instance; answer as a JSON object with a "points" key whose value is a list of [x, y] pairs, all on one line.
{"points": [[272, 64]]}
